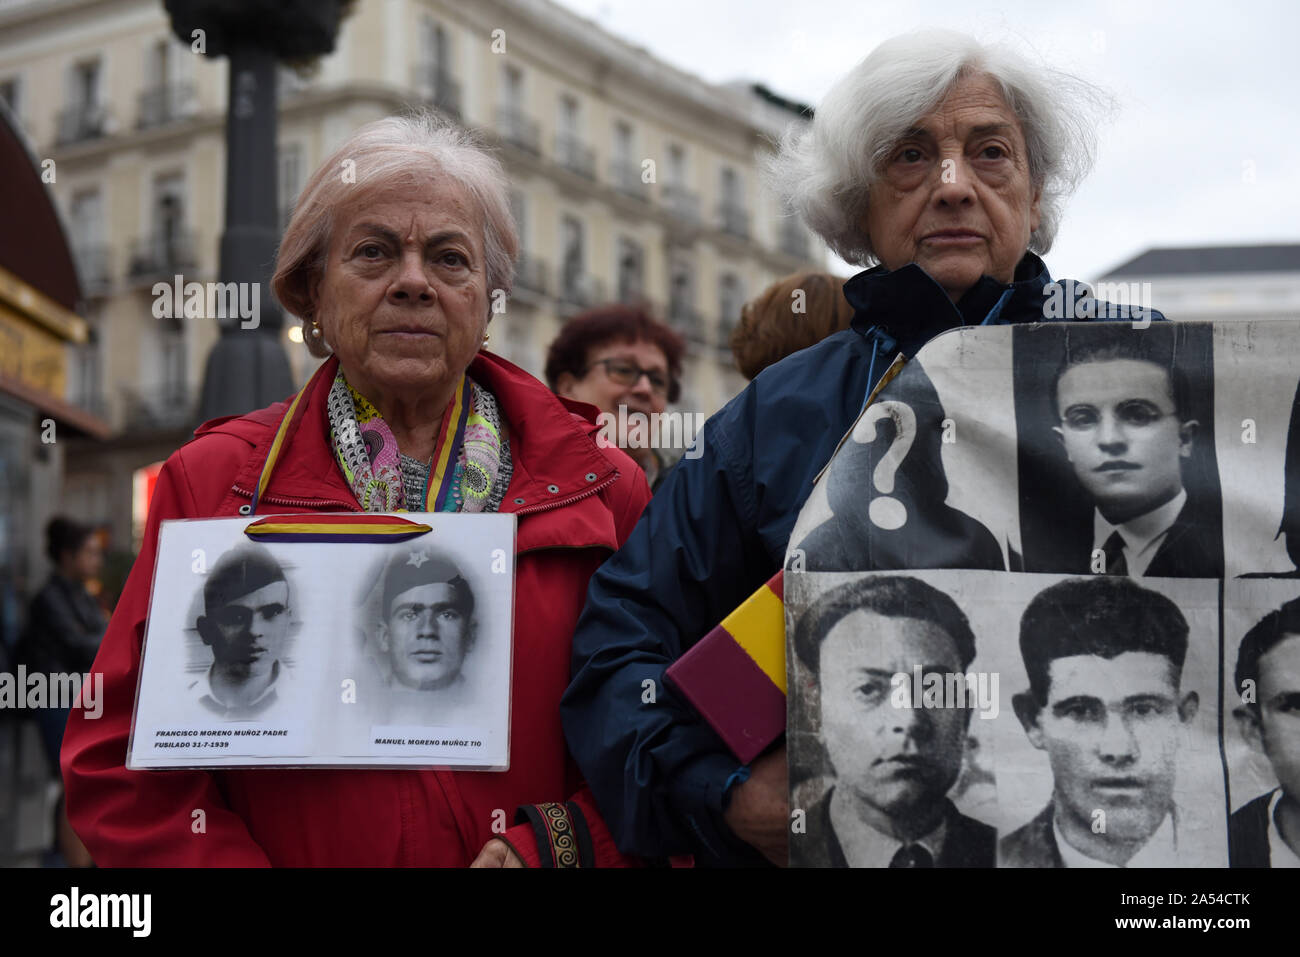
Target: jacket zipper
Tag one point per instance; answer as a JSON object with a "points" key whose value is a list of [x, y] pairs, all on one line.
{"points": [[295, 502], [532, 509]]}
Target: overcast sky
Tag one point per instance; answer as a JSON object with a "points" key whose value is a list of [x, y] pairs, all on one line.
{"points": [[1208, 95]]}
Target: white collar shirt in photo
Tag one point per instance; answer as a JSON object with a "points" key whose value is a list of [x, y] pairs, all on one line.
{"points": [[203, 692], [1143, 535], [1160, 850], [1279, 851], [864, 846]]}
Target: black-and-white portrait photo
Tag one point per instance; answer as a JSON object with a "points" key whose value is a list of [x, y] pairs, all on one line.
{"points": [[1262, 742], [424, 636], [1115, 696], [1117, 454], [880, 729], [247, 625]]}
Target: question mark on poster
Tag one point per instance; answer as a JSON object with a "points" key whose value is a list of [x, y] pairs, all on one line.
{"points": [[886, 512]]}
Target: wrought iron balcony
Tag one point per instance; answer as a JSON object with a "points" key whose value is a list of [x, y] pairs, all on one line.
{"points": [[579, 291], [169, 406], [81, 122], [625, 175], [518, 129], [93, 268], [437, 88], [682, 203], [793, 238], [165, 104], [683, 317], [162, 256], [530, 276], [575, 156], [734, 219]]}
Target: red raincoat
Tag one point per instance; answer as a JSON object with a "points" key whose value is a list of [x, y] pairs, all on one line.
{"points": [[576, 503]]}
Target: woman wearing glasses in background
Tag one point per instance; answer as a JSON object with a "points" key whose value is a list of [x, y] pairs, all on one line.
{"points": [[615, 356]]}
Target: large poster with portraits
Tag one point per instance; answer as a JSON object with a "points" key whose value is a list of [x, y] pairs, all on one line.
{"points": [[1043, 606], [289, 653]]}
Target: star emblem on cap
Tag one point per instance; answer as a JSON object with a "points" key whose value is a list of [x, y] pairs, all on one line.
{"points": [[417, 559]]}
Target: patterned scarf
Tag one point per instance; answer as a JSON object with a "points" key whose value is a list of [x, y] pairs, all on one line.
{"points": [[384, 480]]}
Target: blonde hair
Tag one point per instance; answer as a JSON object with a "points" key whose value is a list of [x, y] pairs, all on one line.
{"points": [[393, 151]]}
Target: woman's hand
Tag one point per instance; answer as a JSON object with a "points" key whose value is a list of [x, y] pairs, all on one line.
{"points": [[497, 853]]}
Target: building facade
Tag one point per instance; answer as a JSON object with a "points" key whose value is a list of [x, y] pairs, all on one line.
{"points": [[1212, 282], [632, 181]]}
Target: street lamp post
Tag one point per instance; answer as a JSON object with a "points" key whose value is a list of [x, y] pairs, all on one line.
{"points": [[248, 368]]}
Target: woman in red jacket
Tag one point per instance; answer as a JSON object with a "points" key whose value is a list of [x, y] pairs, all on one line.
{"points": [[393, 272]]}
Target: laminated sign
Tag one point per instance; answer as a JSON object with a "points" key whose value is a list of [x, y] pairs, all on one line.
{"points": [[329, 641], [1043, 607]]}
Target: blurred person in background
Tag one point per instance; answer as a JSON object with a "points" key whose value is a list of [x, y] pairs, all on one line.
{"points": [[618, 355], [793, 313], [64, 628]]}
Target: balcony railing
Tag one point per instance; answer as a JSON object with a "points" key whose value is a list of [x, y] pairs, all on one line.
{"points": [[438, 88], [165, 104], [518, 129], [93, 268], [81, 122], [530, 276], [162, 256], [573, 155], [682, 203], [169, 406], [793, 239], [683, 317], [625, 175], [733, 219], [579, 291]]}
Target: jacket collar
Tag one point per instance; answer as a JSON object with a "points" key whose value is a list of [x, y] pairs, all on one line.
{"points": [[908, 306], [552, 445]]}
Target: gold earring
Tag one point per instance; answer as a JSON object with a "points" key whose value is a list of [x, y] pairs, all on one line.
{"points": [[315, 330], [486, 338]]}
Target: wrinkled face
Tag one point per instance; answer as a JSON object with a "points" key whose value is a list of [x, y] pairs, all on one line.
{"points": [[426, 637], [403, 296], [1122, 434], [1278, 696], [954, 194], [247, 636], [899, 760], [609, 367], [1111, 729]]}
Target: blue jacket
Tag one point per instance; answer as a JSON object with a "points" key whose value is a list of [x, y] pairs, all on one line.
{"points": [[718, 529]]}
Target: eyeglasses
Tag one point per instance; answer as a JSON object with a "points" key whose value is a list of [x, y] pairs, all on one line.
{"points": [[625, 373]]}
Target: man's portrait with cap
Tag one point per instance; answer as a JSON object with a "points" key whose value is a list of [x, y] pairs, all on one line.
{"points": [[245, 624], [427, 624]]}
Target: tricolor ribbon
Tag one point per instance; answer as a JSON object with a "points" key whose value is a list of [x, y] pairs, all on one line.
{"points": [[442, 471], [317, 527]]}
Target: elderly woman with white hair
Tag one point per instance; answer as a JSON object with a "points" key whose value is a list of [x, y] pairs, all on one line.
{"points": [[398, 247], [942, 163]]}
